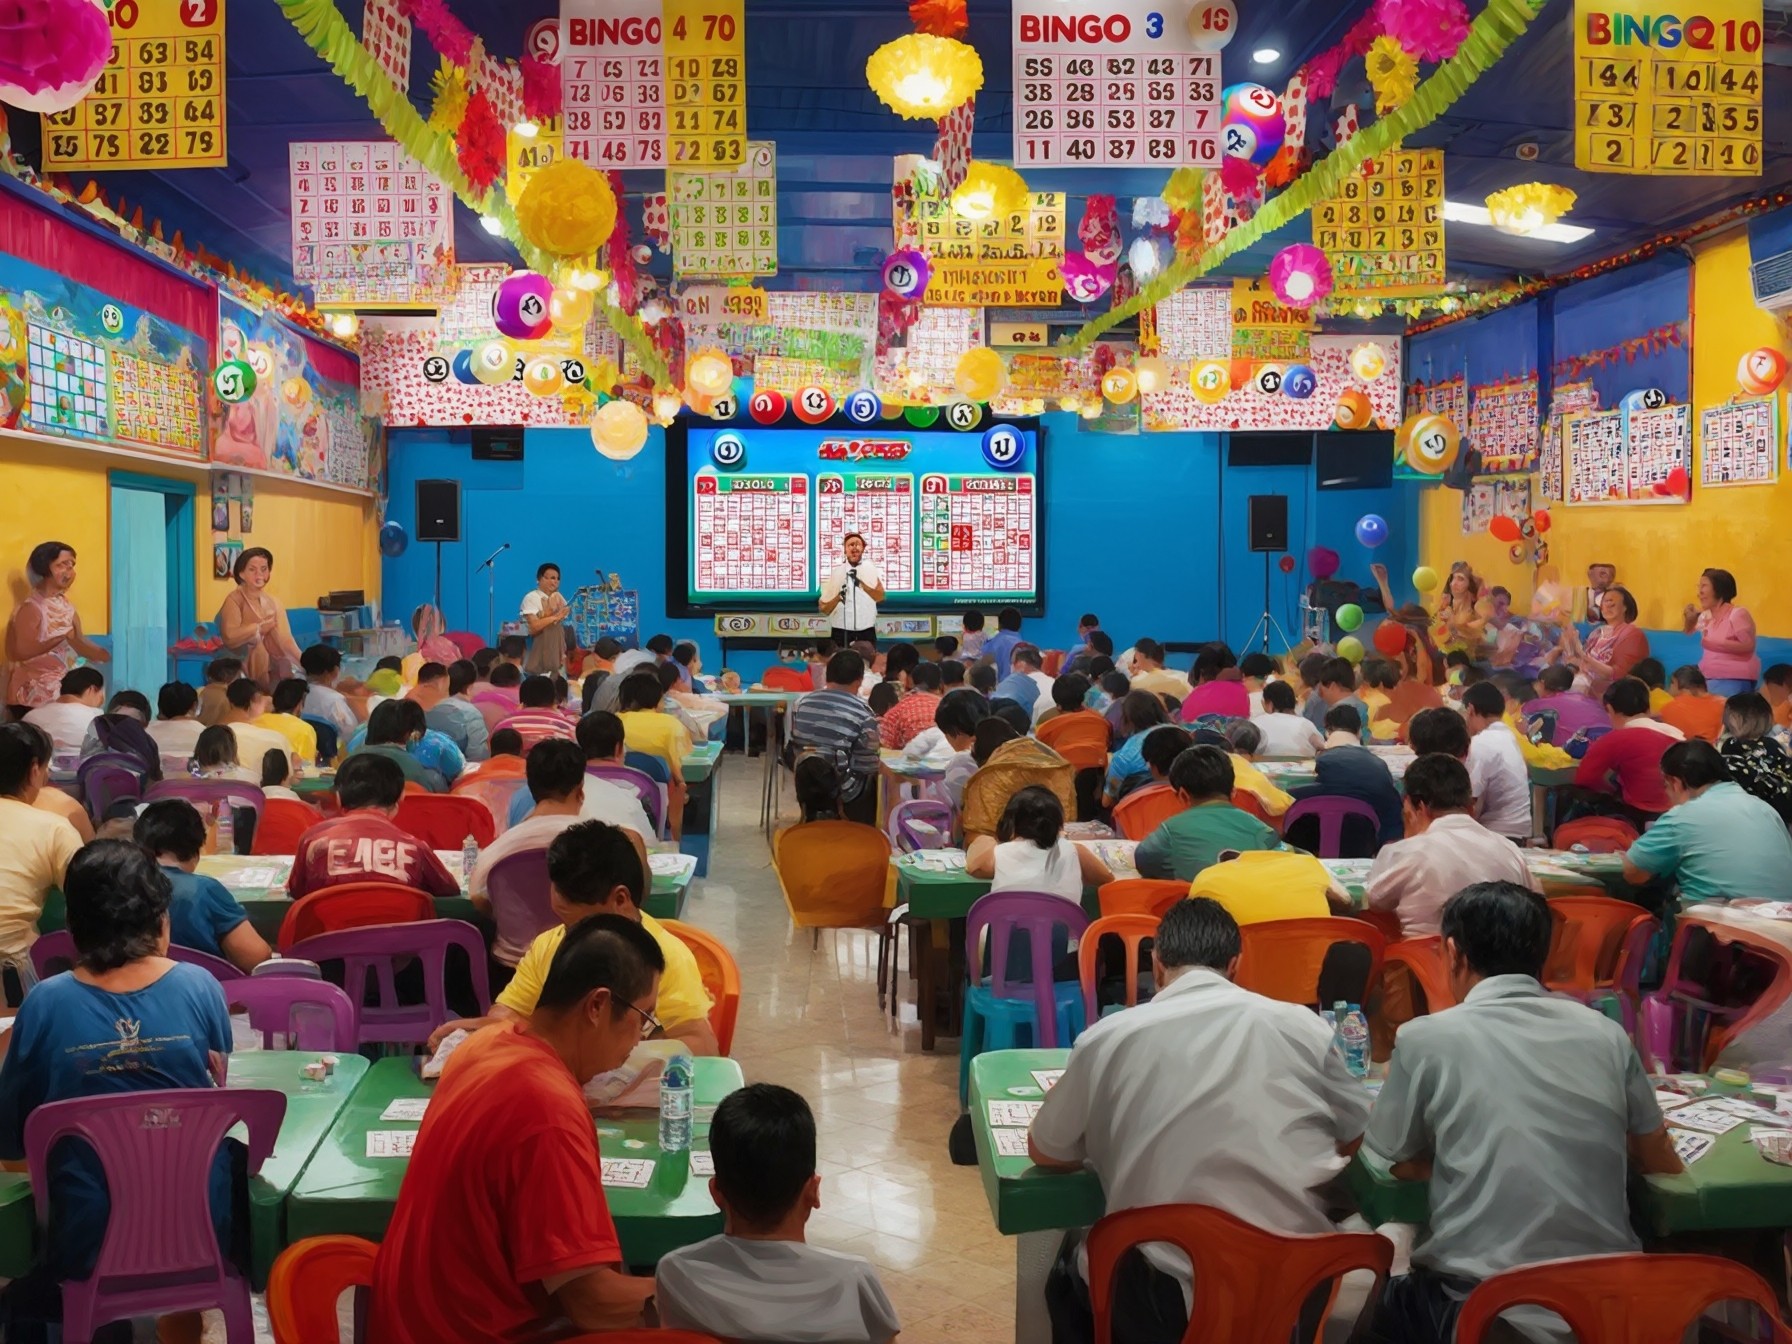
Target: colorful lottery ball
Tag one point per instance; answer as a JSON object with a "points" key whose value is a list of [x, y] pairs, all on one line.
{"points": [[1432, 442], [1368, 361], [520, 308], [863, 407], [1120, 385], [813, 405], [1251, 125], [494, 362], [542, 376], [767, 407], [436, 369], [723, 407], [906, 273], [233, 381], [1353, 409], [728, 451], [1761, 371], [1645, 399], [1268, 379], [1210, 380], [964, 415], [922, 417], [462, 366], [1003, 446], [1299, 382]]}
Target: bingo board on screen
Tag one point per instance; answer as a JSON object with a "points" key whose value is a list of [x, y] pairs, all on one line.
{"points": [[757, 515]]}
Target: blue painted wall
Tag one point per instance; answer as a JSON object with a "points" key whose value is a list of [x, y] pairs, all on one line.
{"points": [[1147, 531]]}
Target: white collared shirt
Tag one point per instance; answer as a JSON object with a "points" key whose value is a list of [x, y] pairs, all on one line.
{"points": [[1415, 876], [1501, 781]]}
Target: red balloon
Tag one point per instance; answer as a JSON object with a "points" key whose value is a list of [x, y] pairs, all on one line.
{"points": [[767, 407], [1504, 528], [1287, 564], [1540, 520], [1678, 482], [1390, 638]]}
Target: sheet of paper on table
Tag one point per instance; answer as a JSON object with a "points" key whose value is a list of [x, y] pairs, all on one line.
{"points": [[628, 1173], [1691, 1147], [1012, 1114], [406, 1108], [433, 1066], [262, 875], [1047, 1078], [935, 860], [390, 1142], [1708, 1116], [1349, 870], [671, 865], [703, 1164], [1010, 1142], [1117, 854], [1773, 1144], [1668, 1100]]}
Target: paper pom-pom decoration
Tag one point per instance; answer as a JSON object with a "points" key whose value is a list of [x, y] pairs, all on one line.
{"points": [[1431, 30], [448, 97], [979, 374], [1761, 371], [479, 145], [1144, 258], [1530, 206], [543, 376], [1150, 212], [1210, 380], [906, 273], [923, 77], [1085, 280], [1119, 385], [1392, 72], [1352, 410], [942, 18], [710, 372], [1251, 123], [1368, 361], [1432, 442], [520, 306], [52, 52], [1099, 231], [567, 209], [989, 191], [494, 362], [1300, 275], [569, 309], [1153, 375], [619, 430]]}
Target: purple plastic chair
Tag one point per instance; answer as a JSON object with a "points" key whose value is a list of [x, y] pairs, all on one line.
{"points": [[306, 1014], [993, 1012], [204, 793], [1331, 809], [54, 952], [651, 792], [518, 888], [908, 818], [160, 1253], [108, 784], [378, 950]]}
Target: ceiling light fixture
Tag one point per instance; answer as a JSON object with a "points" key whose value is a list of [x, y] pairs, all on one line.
{"points": [[1457, 213], [1265, 56]]}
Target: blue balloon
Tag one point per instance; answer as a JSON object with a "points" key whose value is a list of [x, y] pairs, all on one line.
{"points": [[863, 407], [1003, 447], [1371, 530], [394, 539], [1299, 382], [462, 365]]}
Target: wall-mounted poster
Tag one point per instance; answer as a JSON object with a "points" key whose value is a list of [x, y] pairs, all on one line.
{"points": [[1739, 444], [1502, 426]]}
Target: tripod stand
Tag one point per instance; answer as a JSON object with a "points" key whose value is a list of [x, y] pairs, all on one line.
{"points": [[1266, 622]]}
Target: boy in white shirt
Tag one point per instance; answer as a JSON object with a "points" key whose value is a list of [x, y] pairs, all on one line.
{"points": [[1285, 733], [1496, 768], [67, 718]]}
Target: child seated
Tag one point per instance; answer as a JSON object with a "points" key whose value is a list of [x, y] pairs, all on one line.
{"points": [[276, 772], [1029, 851], [883, 698], [760, 1280]]}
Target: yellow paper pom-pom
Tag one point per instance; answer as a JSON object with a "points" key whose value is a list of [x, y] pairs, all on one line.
{"points": [[567, 209], [449, 89], [1393, 73], [923, 77], [1183, 190], [989, 191]]}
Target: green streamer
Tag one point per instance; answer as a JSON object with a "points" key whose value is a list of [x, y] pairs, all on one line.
{"points": [[1495, 29]]}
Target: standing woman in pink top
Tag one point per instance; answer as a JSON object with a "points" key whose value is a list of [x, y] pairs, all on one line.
{"points": [[1727, 634], [252, 623], [44, 637]]}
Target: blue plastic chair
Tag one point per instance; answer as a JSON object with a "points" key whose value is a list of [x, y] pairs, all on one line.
{"points": [[328, 739], [1007, 1014]]}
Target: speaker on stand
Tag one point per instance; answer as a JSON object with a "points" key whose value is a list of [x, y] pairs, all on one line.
{"points": [[438, 519], [1268, 527]]}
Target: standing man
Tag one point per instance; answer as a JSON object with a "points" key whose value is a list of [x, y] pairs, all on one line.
{"points": [[852, 592], [544, 611]]}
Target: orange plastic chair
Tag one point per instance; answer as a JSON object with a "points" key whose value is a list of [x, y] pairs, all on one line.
{"points": [[1282, 958], [308, 1279], [282, 823], [1143, 810], [1620, 1299], [1385, 920], [1080, 738], [833, 874], [1423, 960], [721, 977], [787, 679], [495, 792], [1249, 1285], [1589, 937], [352, 905], [1131, 930], [1246, 801], [445, 820], [1601, 835], [1140, 896]]}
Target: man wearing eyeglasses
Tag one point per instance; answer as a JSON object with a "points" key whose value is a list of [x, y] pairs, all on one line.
{"points": [[598, 869]]}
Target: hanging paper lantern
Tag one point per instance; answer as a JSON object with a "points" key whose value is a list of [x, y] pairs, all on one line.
{"points": [[1084, 280], [1353, 409], [1300, 275], [520, 307], [1432, 442], [1424, 579], [619, 430], [52, 53], [1761, 371], [1099, 230], [906, 273], [921, 417], [1524, 209], [1153, 375], [1390, 638], [569, 309], [1119, 385], [1371, 530], [462, 366], [1212, 24], [1210, 380], [767, 407], [1268, 379], [989, 191], [814, 404], [494, 362], [1349, 616], [1251, 123], [710, 372], [923, 77], [1368, 361], [567, 209], [862, 407], [979, 374], [1350, 648], [1144, 258], [543, 377], [1299, 382], [234, 381]]}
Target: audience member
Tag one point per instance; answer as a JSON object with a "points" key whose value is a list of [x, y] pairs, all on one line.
{"points": [[1208, 825], [1259, 885], [1337, 686], [202, 914], [219, 674], [121, 728], [398, 729], [1286, 733], [1573, 710], [1257, 670], [1030, 852], [67, 718], [914, 713], [1520, 1107], [1726, 635], [1079, 647], [276, 777], [1379, 677], [1218, 687], [1776, 685], [35, 845], [816, 784], [945, 649], [1307, 673], [215, 757], [1652, 674], [1518, 643], [1694, 710], [957, 719], [1627, 761], [1140, 712], [177, 726], [882, 699], [1613, 647], [836, 723], [971, 646], [999, 647], [1715, 842], [245, 705], [1440, 731], [1753, 757], [322, 666], [1176, 1062], [364, 844], [1069, 692], [282, 717], [984, 679], [539, 717], [1500, 781], [874, 666], [953, 673], [1150, 674], [504, 697], [453, 713], [1244, 742], [1161, 748], [1019, 684], [1349, 769]]}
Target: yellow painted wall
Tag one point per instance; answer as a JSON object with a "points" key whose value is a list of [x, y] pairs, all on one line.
{"points": [[1659, 550], [321, 539]]}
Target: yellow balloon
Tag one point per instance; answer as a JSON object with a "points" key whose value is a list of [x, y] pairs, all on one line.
{"points": [[543, 376], [569, 309], [980, 374], [1210, 380], [494, 362], [619, 430], [709, 372], [1153, 375], [1351, 649], [1424, 578], [1119, 386]]}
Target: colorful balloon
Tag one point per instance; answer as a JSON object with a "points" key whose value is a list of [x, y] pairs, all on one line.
{"points": [[1351, 648], [1504, 528], [1540, 520], [1761, 371], [494, 362], [1251, 123], [979, 374], [1424, 579], [1371, 530], [1210, 380], [1119, 385], [767, 407], [1323, 562], [393, 539], [1390, 638], [1286, 564], [520, 307], [1299, 382], [907, 272], [1349, 616], [1353, 409], [1432, 443], [1368, 361]]}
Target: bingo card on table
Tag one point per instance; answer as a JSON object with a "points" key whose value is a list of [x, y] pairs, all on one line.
{"points": [[977, 533], [751, 533], [1105, 82], [1658, 94], [159, 102], [1385, 227], [613, 82], [1739, 443], [725, 221], [881, 505], [365, 192]]}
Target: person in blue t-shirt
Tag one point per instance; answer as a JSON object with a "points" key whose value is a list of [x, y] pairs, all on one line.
{"points": [[125, 1019], [202, 914]]}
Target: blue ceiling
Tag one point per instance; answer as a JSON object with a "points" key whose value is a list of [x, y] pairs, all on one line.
{"points": [[806, 91]]}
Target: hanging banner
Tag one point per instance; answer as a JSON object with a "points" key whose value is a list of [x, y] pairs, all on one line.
{"points": [[1263, 327], [725, 221], [1384, 230], [159, 102], [1033, 283], [386, 33]]}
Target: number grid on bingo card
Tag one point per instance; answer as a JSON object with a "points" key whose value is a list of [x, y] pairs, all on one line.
{"points": [[68, 383], [977, 534], [1739, 443], [1037, 231], [366, 192], [752, 534], [1503, 425], [1660, 442], [1384, 229], [1448, 398], [706, 82], [613, 80], [156, 404], [1595, 465], [1195, 323], [879, 505], [725, 221]]}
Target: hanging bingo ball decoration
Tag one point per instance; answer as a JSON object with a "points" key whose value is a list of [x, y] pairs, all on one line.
{"points": [[906, 273], [863, 407], [1212, 24], [1251, 124], [964, 415], [1299, 382], [1432, 442], [813, 405], [1268, 379], [461, 366], [922, 417], [1761, 371], [436, 369], [728, 451], [1210, 380], [520, 308], [767, 407], [1645, 399], [233, 381], [1352, 411], [543, 376], [494, 362], [724, 407], [1119, 385], [1368, 361], [1003, 446], [1371, 531]]}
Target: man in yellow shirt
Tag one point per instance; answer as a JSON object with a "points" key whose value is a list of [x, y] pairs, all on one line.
{"points": [[649, 730], [598, 869], [1271, 884], [35, 848], [283, 718]]}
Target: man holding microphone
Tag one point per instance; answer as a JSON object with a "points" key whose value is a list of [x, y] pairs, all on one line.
{"points": [[546, 613], [851, 594]]}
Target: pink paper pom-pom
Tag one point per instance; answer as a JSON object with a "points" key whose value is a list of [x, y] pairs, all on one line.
{"points": [[541, 88], [1430, 30], [51, 52]]}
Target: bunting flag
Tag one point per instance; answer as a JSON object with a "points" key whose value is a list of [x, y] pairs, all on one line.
{"points": [[1668, 335]]}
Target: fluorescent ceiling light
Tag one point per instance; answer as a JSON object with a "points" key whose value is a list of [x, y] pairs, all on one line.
{"points": [[1456, 212], [1265, 56]]}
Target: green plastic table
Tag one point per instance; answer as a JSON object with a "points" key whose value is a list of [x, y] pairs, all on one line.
{"points": [[775, 704], [701, 803], [343, 1190], [18, 1225]]}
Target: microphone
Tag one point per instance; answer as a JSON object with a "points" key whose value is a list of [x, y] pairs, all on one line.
{"points": [[486, 563]]}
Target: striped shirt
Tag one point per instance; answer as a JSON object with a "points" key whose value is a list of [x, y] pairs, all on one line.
{"points": [[537, 725], [909, 717], [840, 726]]}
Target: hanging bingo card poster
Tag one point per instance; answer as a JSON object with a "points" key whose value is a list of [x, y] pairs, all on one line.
{"points": [[725, 221], [879, 505], [613, 82], [978, 534], [1660, 90], [1384, 230], [1658, 462], [1105, 82], [706, 83], [1502, 426], [1739, 443], [159, 102], [750, 533], [1595, 468], [67, 392], [365, 192]]}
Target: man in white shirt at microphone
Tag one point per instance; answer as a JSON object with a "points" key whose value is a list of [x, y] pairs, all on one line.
{"points": [[851, 593]]}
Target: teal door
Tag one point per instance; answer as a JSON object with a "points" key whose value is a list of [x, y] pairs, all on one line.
{"points": [[152, 578]]}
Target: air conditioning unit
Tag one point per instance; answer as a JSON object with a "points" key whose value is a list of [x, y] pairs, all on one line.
{"points": [[1771, 278]]}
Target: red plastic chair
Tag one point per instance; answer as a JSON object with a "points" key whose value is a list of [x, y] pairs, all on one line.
{"points": [[721, 977], [1140, 896], [282, 823], [55, 951], [352, 905], [305, 1014], [1282, 958], [160, 1253], [1331, 809], [517, 886], [1246, 801], [495, 792], [1132, 931], [1144, 810], [1249, 1285], [378, 951], [308, 1280], [1051, 661], [466, 641], [444, 821], [1082, 739], [1600, 835], [787, 679], [1621, 1299]]}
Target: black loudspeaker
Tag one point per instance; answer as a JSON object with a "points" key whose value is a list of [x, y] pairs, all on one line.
{"points": [[438, 510], [1269, 522]]}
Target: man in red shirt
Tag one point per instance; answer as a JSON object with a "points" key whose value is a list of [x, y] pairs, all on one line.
{"points": [[501, 1229], [1627, 760], [913, 714], [364, 844], [539, 717]]}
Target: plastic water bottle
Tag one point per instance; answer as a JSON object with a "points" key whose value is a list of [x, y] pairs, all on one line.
{"points": [[226, 828], [676, 1105], [469, 858], [1353, 1037]]}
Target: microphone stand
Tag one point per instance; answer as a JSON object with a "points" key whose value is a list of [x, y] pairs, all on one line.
{"points": [[491, 592]]}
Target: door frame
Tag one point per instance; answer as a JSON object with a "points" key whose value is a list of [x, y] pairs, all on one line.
{"points": [[183, 593]]}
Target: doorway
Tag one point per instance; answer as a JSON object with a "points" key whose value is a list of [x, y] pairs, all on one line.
{"points": [[153, 591]]}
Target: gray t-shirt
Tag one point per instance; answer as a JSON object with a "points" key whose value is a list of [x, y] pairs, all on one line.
{"points": [[773, 1292]]}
